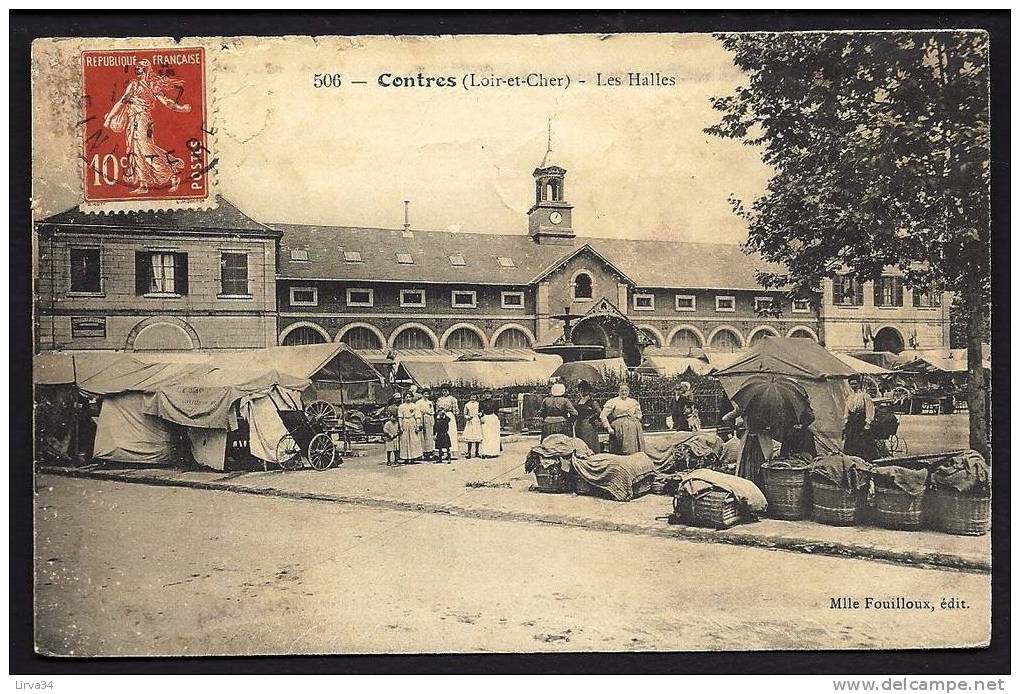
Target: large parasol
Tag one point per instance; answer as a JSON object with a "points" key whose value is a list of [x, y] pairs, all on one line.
{"points": [[775, 403]]}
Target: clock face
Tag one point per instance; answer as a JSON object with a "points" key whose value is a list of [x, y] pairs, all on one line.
{"points": [[555, 218]]}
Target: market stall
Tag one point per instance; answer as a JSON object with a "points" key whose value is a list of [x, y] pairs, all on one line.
{"points": [[819, 371]]}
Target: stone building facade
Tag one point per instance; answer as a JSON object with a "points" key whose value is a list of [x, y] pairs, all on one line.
{"points": [[383, 289], [178, 280]]}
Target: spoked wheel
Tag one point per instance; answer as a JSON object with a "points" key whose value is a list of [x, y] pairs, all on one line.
{"points": [[320, 413], [288, 453], [897, 446], [321, 452]]}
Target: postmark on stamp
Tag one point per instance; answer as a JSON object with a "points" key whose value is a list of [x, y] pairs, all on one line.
{"points": [[145, 131]]}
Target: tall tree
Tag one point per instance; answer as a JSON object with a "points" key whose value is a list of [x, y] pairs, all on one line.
{"points": [[879, 142]]}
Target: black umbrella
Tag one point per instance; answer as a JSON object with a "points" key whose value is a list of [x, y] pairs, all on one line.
{"points": [[775, 403]]}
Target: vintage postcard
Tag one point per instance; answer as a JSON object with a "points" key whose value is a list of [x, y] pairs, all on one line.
{"points": [[537, 343]]}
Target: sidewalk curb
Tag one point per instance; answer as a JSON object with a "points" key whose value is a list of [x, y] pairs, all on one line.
{"points": [[693, 534]]}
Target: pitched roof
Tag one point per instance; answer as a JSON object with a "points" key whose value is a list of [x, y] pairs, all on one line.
{"points": [[224, 217], [648, 263]]}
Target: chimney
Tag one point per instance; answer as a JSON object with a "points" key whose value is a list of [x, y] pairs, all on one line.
{"points": [[408, 234]]}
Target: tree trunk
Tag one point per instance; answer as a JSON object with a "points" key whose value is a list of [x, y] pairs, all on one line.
{"points": [[978, 378]]}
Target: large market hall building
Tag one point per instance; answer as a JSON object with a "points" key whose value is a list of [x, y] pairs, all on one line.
{"points": [[217, 279], [404, 289]]}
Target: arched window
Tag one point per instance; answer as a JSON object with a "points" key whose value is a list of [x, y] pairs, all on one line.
{"points": [[725, 341], [163, 336], [582, 286], [413, 338], [685, 339], [801, 332], [303, 336], [361, 337], [512, 338], [761, 335], [464, 338]]}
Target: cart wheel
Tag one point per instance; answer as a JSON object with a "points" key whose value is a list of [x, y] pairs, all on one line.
{"points": [[898, 445], [321, 452], [288, 453], [320, 412]]}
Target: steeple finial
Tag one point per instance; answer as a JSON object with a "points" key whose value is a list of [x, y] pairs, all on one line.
{"points": [[548, 142]]}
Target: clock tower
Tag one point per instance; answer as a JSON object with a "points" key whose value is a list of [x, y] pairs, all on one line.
{"points": [[549, 217]]}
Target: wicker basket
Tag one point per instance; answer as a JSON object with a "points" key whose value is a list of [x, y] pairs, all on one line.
{"points": [[552, 480], [959, 514], [712, 509], [897, 510], [787, 492], [581, 486], [643, 484], [831, 505]]}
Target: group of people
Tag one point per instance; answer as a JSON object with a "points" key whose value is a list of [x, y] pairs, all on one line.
{"points": [[418, 428], [584, 417], [754, 444]]}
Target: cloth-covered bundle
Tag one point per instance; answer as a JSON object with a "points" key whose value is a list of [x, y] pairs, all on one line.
{"points": [[849, 473], [966, 472], [913, 482], [748, 495], [682, 450], [556, 449], [613, 474]]}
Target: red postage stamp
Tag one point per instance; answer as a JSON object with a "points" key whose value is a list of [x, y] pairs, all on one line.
{"points": [[144, 128]]}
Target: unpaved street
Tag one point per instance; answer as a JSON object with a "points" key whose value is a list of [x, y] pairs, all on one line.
{"points": [[128, 569]]}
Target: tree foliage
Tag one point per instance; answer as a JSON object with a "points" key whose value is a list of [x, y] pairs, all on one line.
{"points": [[879, 142], [880, 147]]}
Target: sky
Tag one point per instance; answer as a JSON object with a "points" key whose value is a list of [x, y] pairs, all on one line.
{"points": [[639, 164]]}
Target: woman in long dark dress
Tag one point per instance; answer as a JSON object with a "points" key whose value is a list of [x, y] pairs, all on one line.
{"points": [[860, 411], [682, 406], [588, 411], [799, 440], [557, 413]]}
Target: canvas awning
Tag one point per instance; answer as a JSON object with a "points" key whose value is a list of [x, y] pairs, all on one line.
{"points": [[675, 366], [948, 360], [591, 370], [822, 374], [104, 372], [859, 365], [479, 372], [672, 361]]}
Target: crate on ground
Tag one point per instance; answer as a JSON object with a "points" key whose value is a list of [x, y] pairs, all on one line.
{"points": [[710, 509]]}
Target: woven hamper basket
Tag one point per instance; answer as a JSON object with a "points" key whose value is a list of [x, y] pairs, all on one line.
{"points": [[959, 514], [788, 492], [552, 480], [831, 505], [897, 510], [581, 486]]}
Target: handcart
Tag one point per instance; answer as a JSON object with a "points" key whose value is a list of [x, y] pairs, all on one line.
{"points": [[306, 441]]}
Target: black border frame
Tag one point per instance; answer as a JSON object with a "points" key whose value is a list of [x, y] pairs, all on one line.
{"points": [[25, 26]]}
